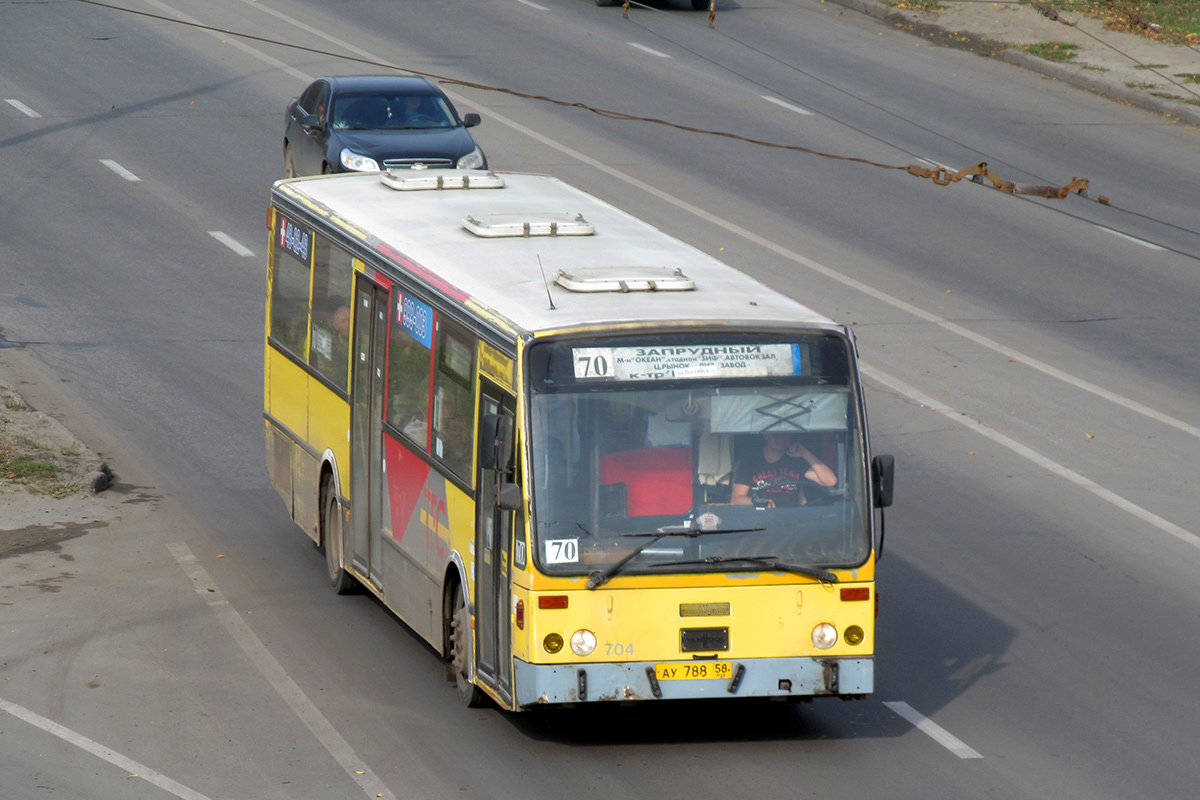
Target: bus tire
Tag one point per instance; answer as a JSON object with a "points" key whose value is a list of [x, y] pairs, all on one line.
{"points": [[340, 580], [460, 652]]}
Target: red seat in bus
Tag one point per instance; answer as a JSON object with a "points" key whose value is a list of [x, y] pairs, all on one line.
{"points": [[657, 480]]}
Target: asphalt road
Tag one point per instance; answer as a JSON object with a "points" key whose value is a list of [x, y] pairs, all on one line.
{"points": [[1032, 363]]}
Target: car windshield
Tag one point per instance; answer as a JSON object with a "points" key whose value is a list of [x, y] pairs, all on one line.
{"points": [[384, 111], [768, 457]]}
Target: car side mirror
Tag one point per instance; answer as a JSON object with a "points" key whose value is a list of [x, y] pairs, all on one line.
{"points": [[883, 472], [310, 122], [471, 120]]}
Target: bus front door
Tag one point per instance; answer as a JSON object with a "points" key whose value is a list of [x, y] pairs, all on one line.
{"points": [[366, 440], [493, 539]]}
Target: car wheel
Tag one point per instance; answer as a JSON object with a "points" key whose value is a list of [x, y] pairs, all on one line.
{"points": [[340, 580], [460, 652], [289, 162]]}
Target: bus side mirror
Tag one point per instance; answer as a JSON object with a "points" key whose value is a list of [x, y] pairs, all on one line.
{"points": [[883, 471], [495, 441], [509, 497]]}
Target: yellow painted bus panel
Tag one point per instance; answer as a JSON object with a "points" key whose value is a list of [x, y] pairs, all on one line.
{"points": [[646, 625], [460, 511], [288, 393], [328, 428]]}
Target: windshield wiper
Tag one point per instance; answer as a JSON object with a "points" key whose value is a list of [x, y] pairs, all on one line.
{"points": [[823, 575], [600, 577]]}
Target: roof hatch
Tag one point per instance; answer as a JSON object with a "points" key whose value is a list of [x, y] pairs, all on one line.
{"points": [[624, 279], [420, 178], [528, 224]]}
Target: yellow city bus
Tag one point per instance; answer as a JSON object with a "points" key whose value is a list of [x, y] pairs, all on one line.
{"points": [[582, 459]]}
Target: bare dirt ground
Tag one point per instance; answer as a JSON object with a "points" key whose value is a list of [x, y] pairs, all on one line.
{"points": [[46, 477]]}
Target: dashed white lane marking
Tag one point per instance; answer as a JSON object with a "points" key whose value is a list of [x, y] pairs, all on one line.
{"points": [[131, 767], [933, 730], [787, 105], [24, 109], [533, 5], [117, 168], [1087, 484], [231, 243], [1133, 239], [649, 50], [283, 684]]}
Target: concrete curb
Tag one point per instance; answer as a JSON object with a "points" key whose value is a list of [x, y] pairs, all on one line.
{"points": [[1075, 76]]}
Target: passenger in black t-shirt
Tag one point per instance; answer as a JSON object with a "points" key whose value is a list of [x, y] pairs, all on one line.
{"points": [[775, 477]]}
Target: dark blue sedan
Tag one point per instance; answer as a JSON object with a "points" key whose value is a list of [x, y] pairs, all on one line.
{"points": [[368, 123]]}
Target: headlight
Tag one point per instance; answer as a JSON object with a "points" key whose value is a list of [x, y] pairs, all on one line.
{"points": [[824, 636], [472, 160], [854, 635], [356, 163], [583, 642]]}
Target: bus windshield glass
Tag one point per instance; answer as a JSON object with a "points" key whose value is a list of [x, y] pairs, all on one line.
{"points": [[753, 444]]}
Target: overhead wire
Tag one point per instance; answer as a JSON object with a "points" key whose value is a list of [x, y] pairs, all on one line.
{"points": [[1102, 200], [940, 175]]}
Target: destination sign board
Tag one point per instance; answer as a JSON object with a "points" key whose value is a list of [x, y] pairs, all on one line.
{"points": [[682, 362]]}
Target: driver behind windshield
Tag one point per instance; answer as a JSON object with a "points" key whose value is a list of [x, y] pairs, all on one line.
{"points": [[775, 475]]}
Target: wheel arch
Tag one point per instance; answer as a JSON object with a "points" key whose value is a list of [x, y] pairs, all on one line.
{"points": [[454, 577], [330, 475]]}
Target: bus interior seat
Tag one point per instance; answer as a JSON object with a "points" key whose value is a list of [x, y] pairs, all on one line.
{"points": [[714, 467], [657, 480]]}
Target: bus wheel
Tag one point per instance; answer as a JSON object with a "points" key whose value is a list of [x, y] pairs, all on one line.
{"points": [[460, 652], [331, 527]]}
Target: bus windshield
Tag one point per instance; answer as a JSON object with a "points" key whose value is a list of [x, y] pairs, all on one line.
{"points": [[756, 441]]}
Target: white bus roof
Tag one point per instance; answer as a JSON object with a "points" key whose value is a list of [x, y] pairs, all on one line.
{"points": [[516, 277]]}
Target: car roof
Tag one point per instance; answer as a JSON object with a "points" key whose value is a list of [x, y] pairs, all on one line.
{"points": [[382, 83]]}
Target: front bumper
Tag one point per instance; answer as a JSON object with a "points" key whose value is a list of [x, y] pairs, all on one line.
{"points": [[539, 684]]}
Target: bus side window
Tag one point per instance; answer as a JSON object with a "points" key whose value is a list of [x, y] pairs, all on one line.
{"points": [[454, 397], [289, 301], [407, 383], [329, 349]]}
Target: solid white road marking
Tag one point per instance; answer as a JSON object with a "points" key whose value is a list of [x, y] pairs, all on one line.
{"points": [[234, 41], [786, 105], [1133, 239], [649, 50], [117, 168], [283, 684], [932, 729], [231, 243], [24, 109], [1037, 458], [131, 767]]}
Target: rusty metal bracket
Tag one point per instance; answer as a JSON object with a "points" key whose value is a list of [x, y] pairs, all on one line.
{"points": [[1051, 14], [942, 176]]}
